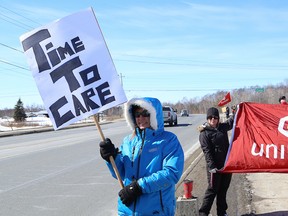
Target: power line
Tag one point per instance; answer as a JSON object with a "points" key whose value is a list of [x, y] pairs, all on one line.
{"points": [[20, 15], [12, 72], [15, 24], [11, 47], [17, 21], [174, 90], [12, 64], [211, 64]]}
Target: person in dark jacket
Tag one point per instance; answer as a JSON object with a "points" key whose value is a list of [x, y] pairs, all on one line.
{"points": [[150, 161], [282, 100], [214, 142], [227, 112]]}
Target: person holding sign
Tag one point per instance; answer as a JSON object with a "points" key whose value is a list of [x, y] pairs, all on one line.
{"points": [[214, 142], [150, 161]]}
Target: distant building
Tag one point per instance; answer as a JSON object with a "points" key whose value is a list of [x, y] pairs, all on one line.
{"points": [[42, 113]]}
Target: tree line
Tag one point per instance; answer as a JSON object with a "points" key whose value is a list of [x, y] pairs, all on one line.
{"points": [[19, 112], [269, 94]]}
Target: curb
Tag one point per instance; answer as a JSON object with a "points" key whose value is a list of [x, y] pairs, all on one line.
{"points": [[45, 129]]}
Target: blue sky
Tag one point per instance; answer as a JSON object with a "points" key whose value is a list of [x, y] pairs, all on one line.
{"points": [[167, 49]]}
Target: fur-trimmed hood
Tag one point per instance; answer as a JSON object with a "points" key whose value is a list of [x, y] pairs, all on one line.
{"points": [[152, 105]]}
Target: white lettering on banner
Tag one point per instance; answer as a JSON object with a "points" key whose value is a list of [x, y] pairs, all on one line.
{"points": [[267, 150], [281, 126], [273, 146]]}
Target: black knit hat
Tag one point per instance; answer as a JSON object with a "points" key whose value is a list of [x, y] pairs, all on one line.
{"points": [[282, 98], [212, 111]]}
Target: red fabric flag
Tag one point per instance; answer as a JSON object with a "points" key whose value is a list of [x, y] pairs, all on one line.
{"points": [[225, 100], [259, 141]]}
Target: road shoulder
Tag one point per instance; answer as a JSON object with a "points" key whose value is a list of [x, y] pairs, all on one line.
{"points": [[239, 197]]}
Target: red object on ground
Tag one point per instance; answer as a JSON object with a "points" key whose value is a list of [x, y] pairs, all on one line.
{"points": [[188, 187]]}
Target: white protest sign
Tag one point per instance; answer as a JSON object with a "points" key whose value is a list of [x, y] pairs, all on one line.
{"points": [[73, 69]]}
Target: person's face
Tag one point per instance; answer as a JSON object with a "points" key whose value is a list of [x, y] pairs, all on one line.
{"points": [[213, 121], [142, 118]]}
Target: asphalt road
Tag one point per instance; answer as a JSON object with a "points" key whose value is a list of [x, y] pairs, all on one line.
{"points": [[55, 173], [58, 173]]}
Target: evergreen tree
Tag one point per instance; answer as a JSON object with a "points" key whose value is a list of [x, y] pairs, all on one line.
{"points": [[19, 112]]}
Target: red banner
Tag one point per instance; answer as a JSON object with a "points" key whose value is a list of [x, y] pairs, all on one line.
{"points": [[225, 100], [259, 141]]}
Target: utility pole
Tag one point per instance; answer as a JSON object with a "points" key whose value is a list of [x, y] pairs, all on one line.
{"points": [[121, 79]]}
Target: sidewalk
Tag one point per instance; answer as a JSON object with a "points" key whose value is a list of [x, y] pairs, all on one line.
{"points": [[269, 193], [261, 194]]}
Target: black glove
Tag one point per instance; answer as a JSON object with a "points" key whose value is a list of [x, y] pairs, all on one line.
{"points": [[129, 193], [107, 149]]}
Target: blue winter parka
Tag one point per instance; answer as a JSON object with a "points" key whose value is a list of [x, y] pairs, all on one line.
{"points": [[154, 157]]}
